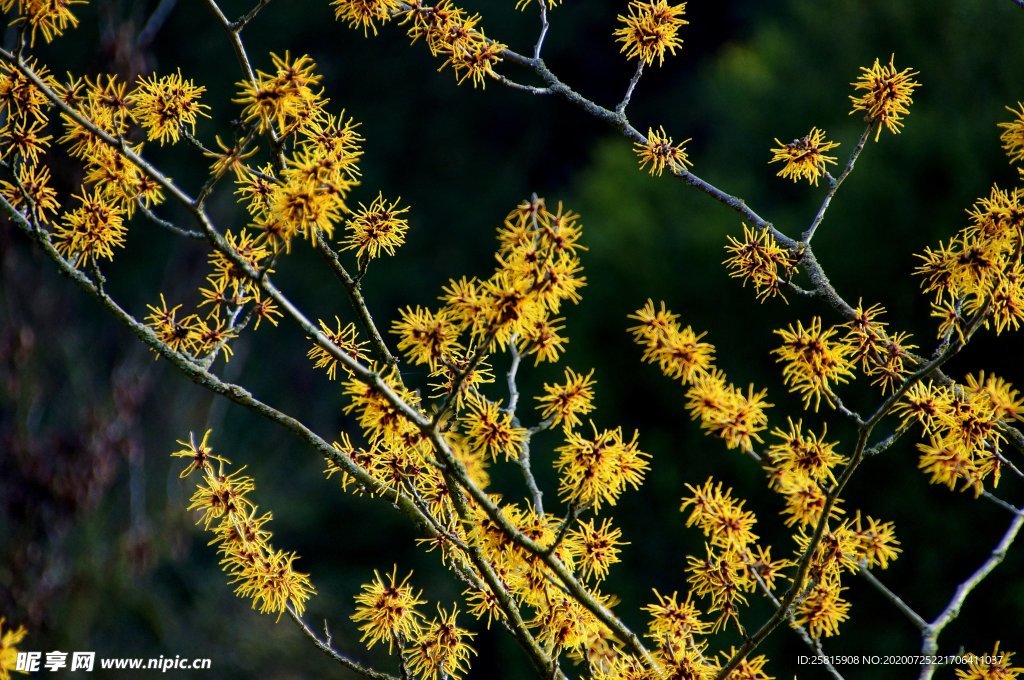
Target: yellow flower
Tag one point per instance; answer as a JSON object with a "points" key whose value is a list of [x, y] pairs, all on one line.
{"points": [[35, 180], [805, 157], [200, 456], [759, 259], [994, 665], [165, 105], [822, 610], [441, 649], [387, 610], [49, 17], [886, 95], [650, 30], [272, 584], [594, 548], [1013, 134], [565, 403], [490, 429], [678, 351], [9, 639], [427, 337], [346, 338], [597, 470], [814, 361], [365, 13], [91, 231], [377, 229], [659, 152]]}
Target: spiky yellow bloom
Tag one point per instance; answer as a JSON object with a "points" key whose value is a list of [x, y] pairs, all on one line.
{"points": [[994, 665], [678, 351], [490, 429], [886, 95], [272, 584], [177, 333], [877, 541], [674, 621], [804, 158], [759, 259], [719, 516], [597, 470], [281, 100], [164, 105], [427, 337], [365, 14], [458, 370], [594, 548], [814, 361], [650, 30], [10, 638], [200, 456], [386, 610], [565, 402], [1005, 401], [750, 668], [49, 17], [659, 152], [222, 495], [805, 451], [19, 97], [1013, 134], [822, 610], [564, 622], [441, 650], [722, 577], [380, 419], [24, 139], [473, 58], [377, 229], [90, 231], [724, 411], [41, 197], [345, 338]]}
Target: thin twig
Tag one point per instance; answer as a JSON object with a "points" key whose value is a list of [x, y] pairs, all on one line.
{"points": [[621, 108], [930, 637], [325, 647], [169, 226], [892, 597], [544, 25], [835, 183]]}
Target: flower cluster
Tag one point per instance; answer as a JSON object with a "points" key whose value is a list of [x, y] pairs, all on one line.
{"points": [[723, 410], [262, 573], [962, 424], [804, 158], [450, 32], [759, 259], [886, 94], [658, 151], [650, 30], [977, 276]]}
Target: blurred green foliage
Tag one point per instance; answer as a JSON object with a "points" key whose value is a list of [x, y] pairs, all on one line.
{"points": [[750, 72]]}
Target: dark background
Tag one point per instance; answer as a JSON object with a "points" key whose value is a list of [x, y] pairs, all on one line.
{"points": [[96, 549]]}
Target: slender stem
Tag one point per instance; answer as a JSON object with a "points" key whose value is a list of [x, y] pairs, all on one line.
{"points": [[325, 647], [621, 108], [543, 28], [355, 296], [895, 599], [244, 20], [930, 637], [835, 183], [169, 226]]}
